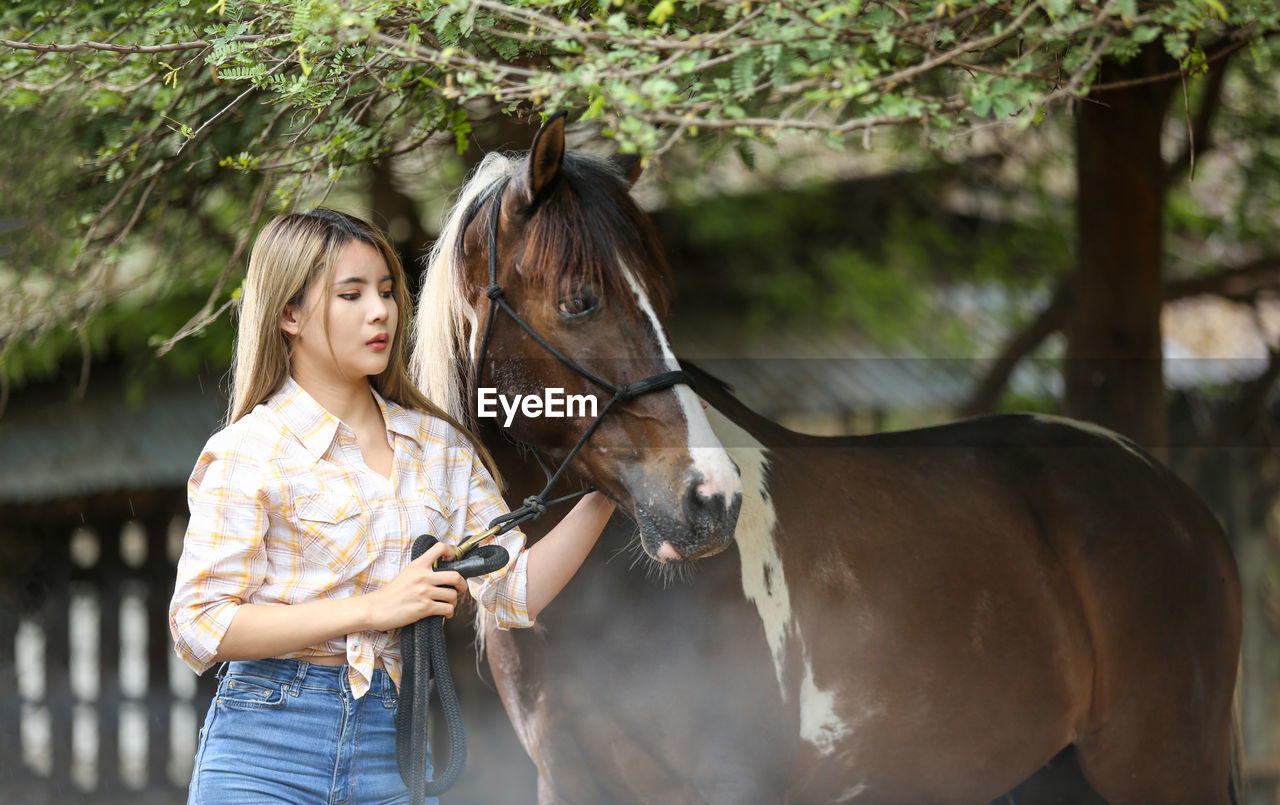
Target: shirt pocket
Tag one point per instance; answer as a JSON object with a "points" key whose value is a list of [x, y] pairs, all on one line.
{"points": [[422, 511], [434, 513], [333, 533]]}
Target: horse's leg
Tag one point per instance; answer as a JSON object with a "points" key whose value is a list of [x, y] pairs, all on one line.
{"points": [[1059, 782], [1143, 761], [1163, 734], [1160, 592]]}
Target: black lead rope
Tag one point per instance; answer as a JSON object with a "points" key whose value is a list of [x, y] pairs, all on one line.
{"points": [[424, 660], [422, 643]]}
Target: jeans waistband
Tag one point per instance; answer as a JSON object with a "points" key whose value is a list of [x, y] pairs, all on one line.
{"points": [[294, 673]]}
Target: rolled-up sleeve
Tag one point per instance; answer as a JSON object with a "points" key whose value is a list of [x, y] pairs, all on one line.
{"points": [[503, 592], [223, 554]]}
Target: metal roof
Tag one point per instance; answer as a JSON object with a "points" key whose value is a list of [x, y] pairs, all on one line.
{"points": [[835, 368], [54, 447]]}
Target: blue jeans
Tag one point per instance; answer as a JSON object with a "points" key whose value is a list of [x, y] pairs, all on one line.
{"points": [[287, 731]]}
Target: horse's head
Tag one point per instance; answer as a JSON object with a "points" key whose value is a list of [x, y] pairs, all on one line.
{"points": [[578, 262]]}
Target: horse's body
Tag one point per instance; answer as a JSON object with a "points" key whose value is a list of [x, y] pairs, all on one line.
{"points": [[919, 617]]}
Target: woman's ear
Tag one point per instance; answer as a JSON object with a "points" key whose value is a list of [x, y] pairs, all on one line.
{"points": [[289, 320]]}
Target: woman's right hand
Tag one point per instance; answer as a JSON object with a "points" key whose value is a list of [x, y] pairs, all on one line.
{"points": [[419, 591]]}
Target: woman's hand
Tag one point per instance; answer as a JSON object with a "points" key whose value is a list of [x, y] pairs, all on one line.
{"points": [[419, 591]]}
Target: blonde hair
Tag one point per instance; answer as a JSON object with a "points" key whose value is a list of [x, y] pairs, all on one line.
{"points": [[293, 251], [442, 305]]}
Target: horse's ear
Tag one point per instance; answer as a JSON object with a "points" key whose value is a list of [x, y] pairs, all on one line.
{"points": [[630, 164], [545, 155]]}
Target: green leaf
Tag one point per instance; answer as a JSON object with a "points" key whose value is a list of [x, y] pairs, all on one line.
{"points": [[661, 11], [1145, 33], [596, 107]]}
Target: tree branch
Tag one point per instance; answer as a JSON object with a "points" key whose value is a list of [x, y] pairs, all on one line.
{"points": [[207, 315], [173, 47], [1051, 319], [1240, 283], [1200, 138]]}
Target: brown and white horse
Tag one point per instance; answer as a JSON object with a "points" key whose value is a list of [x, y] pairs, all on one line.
{"points": [[928, 616]]}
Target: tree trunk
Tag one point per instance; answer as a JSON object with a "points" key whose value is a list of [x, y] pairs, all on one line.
{"points": [[1113, 371]]}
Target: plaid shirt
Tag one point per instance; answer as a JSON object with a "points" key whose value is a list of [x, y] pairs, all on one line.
{"points": [[284, 510]]}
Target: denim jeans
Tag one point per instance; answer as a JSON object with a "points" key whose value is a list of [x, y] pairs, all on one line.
{"points": [[288, 731]]}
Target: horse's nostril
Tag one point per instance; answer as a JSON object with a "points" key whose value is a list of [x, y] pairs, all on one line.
{"points": [[700, 503]]}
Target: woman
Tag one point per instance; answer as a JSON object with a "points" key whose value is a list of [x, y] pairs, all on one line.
{"points": [[304, 508]]}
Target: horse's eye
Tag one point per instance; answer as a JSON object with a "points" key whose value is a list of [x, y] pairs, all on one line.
{"points": [[578, 302]]}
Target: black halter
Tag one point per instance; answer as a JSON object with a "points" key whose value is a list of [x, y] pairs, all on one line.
{"points": [[535, 505]]}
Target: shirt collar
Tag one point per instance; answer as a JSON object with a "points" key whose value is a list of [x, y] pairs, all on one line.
{"points": [[399, 420], [316, 428], [305, 418]]}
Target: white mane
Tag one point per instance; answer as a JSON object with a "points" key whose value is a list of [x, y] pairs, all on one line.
{"points": [[442, 307]]}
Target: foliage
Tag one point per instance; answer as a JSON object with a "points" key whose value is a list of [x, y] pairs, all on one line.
{"points": [[891, 259], [234, 110]]}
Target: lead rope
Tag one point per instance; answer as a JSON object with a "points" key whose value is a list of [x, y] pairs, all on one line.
{"points": [[424, 660], [422, 643]]}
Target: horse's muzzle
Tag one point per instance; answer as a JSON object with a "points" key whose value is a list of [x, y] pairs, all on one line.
{"points": [[700, 525]]}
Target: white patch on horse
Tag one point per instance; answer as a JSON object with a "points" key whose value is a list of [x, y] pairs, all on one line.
{"points": [[851, 794], [819, 724], [763, 581], [1096, 430], [707, 452], [765, 585]]}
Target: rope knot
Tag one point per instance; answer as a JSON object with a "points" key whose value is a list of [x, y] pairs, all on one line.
{"points": [[493, 291], [627, 392], [535, 504]]}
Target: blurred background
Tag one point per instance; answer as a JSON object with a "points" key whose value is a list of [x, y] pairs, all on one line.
{"points": [[1115, 258]]}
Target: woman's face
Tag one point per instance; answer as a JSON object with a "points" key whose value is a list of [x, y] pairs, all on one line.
{"points": [[362, 319]]}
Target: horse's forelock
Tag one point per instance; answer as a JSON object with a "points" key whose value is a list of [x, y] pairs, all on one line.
{"points": [[587, 228], [584, 228]]}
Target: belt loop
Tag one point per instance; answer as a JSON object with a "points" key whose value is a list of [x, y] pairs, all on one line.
{"points": [[296, 685]]}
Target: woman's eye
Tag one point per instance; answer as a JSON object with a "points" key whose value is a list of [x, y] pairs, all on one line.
{"points": [[578, 303], [387, 294], [350, 297]]}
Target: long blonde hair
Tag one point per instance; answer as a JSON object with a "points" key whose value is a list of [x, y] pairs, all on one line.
{"points": [[439, 355], [291, 252]]}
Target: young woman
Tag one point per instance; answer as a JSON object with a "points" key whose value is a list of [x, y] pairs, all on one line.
{"points": [[295, 568]]}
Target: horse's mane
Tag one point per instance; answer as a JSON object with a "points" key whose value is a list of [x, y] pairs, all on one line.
{"points": [[442, 304], [584, 228]]}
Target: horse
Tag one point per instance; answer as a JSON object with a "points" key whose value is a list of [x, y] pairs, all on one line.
{"points": [[927, 616]]}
